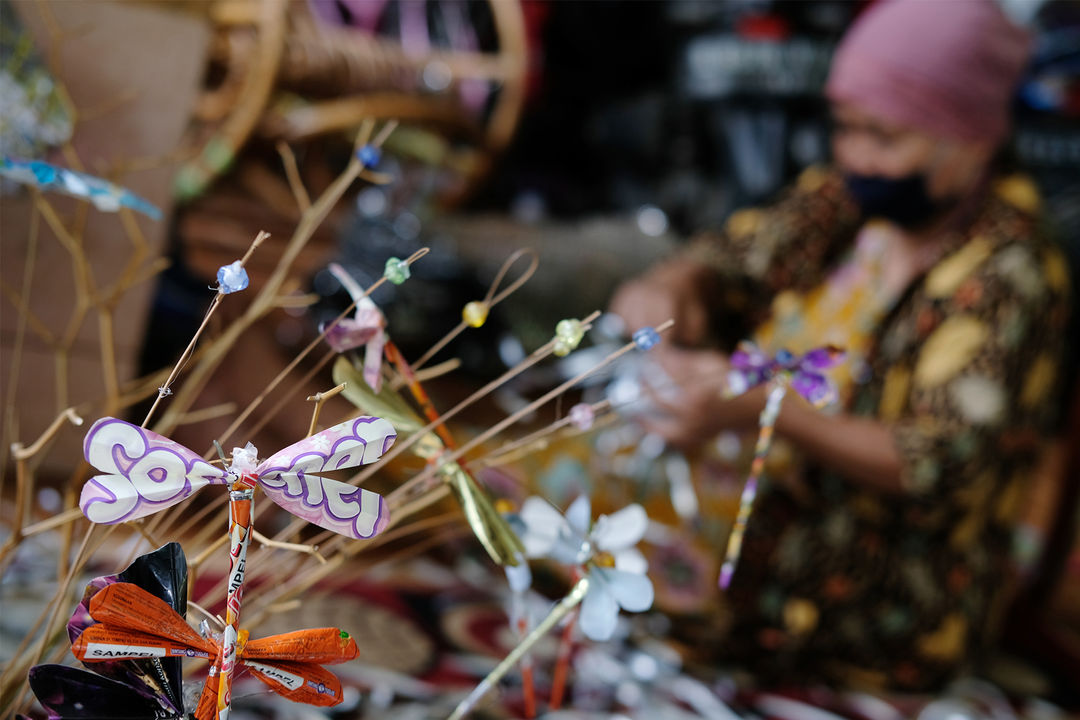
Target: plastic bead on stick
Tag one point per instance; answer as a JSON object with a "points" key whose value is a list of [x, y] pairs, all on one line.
{"points": [[397, 270], [582, 416], [232, 278], [475, 313], [646, 338], [369, 155], [568, 335]]}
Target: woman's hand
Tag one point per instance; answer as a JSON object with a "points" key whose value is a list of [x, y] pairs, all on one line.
{"points": [[697, 411], [673, 290]]}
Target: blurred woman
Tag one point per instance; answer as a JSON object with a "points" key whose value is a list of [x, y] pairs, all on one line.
{"points": [[880, 562]]}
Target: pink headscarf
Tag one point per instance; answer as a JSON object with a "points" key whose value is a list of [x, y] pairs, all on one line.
{"points": [[947, 67]]}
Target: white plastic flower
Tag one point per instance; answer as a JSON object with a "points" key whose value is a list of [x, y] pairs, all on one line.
{"points": [[603, 550]]}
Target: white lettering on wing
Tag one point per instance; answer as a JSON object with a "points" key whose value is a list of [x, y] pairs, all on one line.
{"points": [[342, 501], [288, 679], [107, 650], [108, 499]]}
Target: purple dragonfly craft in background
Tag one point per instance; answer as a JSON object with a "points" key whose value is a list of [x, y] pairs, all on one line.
{"points": [[750, 367], [367, 327]]}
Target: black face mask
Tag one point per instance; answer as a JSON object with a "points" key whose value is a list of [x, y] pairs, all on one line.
{"points": [[903, 201]]}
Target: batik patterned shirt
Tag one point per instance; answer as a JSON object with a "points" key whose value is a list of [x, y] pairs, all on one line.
{"points": [[880, 589]]}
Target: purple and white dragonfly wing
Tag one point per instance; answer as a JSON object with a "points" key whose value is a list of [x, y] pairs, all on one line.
{"points": [[817, 389], [143, 472], [291, 477]]}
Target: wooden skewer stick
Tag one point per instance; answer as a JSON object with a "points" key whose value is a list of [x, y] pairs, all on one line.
{"points": [[165, 390], [312, 550], [320, 399], [568, 603], [490, 300], [304, 353], [24, 480], [423, 480], [498, 382]]}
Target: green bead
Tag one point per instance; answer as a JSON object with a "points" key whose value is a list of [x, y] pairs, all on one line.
{"points": [[570, 330], [397, 270], [568, 335]]}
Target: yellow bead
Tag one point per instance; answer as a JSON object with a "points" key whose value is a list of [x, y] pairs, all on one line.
{"points": [[475, 313], [504, 506], [568, 335], [604, 560], [570, 330]]}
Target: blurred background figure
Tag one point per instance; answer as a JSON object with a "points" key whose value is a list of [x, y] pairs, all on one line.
{"points": [[880, 560]]}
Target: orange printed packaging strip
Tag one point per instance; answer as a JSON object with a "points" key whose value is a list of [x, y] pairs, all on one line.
{"points": [[325, 646], [102, 642], [300, 682], [207, 707], [241, 518], [132, 623], [127, 606], [418, 393]]}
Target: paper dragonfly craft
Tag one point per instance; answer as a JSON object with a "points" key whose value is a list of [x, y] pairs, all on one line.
{"points": [[142, 688], [751, 367], [132, 623], [147, 472], [105, 195], [367, 327]]}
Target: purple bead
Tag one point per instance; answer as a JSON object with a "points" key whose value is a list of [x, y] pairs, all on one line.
{"points": [[369, 155], [646, 338], [582, 416]]}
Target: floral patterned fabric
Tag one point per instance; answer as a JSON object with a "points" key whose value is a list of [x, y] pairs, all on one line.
{"points": [[860, 586]]}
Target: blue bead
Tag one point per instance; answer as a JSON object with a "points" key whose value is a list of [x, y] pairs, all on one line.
{"points": [[784, 357], [232, 278], [646, 338], [369, 155]]}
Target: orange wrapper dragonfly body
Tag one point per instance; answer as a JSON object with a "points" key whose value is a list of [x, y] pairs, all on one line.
{"points": [[132, 623]]}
